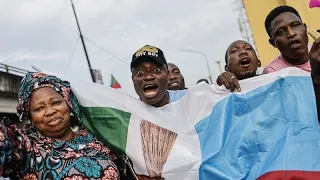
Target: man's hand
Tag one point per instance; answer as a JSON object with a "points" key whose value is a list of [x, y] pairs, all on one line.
{"points": [[314, 56], [314, 53], [229, 80]]}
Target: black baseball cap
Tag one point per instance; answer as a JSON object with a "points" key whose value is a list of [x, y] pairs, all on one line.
{"points": [[148, 52]]}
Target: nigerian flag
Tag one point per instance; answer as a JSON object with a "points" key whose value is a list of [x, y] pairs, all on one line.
{"points": [[114, 83], [115, 130], [267, 131]]}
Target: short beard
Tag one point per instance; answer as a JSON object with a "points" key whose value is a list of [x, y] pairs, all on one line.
{"points": [[247, 75]]}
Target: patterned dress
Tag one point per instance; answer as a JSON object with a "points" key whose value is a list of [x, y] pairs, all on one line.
{"points": [[32, 156]]}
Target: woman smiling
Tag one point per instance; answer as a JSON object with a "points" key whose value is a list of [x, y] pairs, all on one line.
{"points": [[50, 149]]}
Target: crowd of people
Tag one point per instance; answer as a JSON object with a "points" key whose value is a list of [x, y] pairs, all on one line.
{"points": [[50, 149]]}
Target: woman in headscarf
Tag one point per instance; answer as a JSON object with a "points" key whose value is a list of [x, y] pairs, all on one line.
{"points": [[51, 149]]}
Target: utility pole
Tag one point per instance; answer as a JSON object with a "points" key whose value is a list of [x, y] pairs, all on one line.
{"points": [[83, 44], [220, 68]]}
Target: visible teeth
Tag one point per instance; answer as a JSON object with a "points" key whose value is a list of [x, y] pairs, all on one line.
{"points": [[150, 93], [147, 86], [295, 44], [150, 90], [245, 61], [174, 84]]}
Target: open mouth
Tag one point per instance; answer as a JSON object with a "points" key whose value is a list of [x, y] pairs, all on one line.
{"points": [[295, 44], [150, 90], [245, 62], [174, 84]]}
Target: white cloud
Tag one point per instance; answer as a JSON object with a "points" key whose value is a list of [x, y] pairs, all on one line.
{"points": [[44, 33]]}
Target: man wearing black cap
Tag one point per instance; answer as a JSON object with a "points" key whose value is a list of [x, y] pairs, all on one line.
{"points": [[150, 77]]}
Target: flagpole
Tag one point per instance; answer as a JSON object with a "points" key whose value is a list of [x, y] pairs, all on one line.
{"points": [[83, 44]]}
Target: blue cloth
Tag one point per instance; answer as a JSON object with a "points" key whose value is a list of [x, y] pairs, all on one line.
{"points": [[270, 129], [176, 95]]}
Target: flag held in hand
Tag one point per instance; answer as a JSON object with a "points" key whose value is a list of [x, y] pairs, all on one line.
{"points": [[314, 3]]}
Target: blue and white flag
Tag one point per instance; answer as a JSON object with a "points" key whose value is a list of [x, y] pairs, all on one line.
{"points": [[267, 131]]}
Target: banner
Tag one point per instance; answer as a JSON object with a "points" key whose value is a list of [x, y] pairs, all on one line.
{"points": [[267, 131]]}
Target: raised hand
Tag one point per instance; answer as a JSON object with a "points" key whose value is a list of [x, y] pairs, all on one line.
{"points": [[229, 80]]}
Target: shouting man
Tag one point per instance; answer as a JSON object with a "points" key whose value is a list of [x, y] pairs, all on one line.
{"points": [[150, 77], [176, 79]]}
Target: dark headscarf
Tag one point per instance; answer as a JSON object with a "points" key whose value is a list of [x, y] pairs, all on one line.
{"points": [[36, 80]]}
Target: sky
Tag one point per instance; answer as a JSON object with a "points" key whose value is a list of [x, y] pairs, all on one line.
{"points": [[44, 33]]}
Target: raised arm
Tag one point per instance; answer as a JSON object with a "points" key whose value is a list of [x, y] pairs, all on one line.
{"points": [[229, 80], [314, 56]]}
